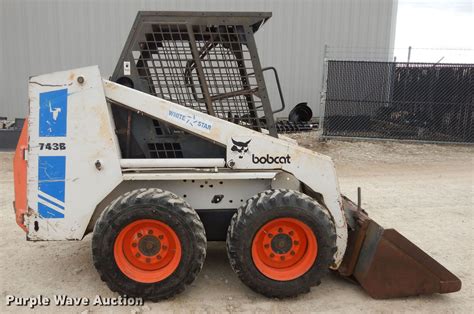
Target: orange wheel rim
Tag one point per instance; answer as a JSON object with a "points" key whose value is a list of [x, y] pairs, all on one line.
{"points": [[284, 249], [147, 251]]}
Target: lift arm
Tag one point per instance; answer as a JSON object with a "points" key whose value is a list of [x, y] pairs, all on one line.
{"points": [[314, 170]]}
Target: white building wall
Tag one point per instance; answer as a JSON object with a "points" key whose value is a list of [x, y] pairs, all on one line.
{"points": [[46, 36]]}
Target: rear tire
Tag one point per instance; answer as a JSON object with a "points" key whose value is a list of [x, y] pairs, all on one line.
{"points": [[148, 243], [281, 243]]}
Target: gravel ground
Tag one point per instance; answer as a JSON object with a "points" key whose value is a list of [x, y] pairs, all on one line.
{"points": [[424, 191]]}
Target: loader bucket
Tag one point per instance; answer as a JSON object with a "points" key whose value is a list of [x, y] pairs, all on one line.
{"points": [[387, 265]]}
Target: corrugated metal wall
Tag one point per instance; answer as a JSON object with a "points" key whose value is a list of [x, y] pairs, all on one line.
{"points": [[45, 36]]}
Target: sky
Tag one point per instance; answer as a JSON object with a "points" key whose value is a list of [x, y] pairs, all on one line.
{"points": [[444, 26]]}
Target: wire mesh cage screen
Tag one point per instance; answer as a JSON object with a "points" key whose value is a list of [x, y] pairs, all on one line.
{"points": [[412, 101], [205, 62]]}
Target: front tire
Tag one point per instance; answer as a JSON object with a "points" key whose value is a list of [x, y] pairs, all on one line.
{"points": [[281, 243], [148, 243]]}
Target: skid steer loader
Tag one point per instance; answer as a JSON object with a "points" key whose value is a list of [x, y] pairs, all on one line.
{"points": [[179, 147]]}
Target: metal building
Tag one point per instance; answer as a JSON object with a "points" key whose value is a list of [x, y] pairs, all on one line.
{"points": [[46, 36]]}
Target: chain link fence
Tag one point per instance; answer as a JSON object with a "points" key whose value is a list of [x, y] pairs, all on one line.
{"points": [[408, 101]]}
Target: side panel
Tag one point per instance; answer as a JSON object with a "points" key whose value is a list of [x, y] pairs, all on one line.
{"points": [[73, 153], [208, 196]]}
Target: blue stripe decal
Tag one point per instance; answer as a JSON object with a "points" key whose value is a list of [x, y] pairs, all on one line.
{"points": [[51, 181], [53, 113], [47, 212], [50, 201]]}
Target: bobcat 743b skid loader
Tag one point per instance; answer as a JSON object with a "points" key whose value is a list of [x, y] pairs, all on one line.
{"points": [[178, 148]]}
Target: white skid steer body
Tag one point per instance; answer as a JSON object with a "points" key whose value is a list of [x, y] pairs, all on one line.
{"points": [[74, 160]]}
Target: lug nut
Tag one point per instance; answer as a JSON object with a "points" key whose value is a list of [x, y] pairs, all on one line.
{"points": [[137, 255], [282, 258], [280, 230], [296, 243], [164, 247], [160, 237], [139, 235], [266, 246], [150, 231], [291, 233], [270, 235], [158, 257], [292, 253], [272, 255], [134, 244]]}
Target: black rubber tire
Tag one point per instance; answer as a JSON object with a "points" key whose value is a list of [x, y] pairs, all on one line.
{"points": [[267, 206], [149, 203]]}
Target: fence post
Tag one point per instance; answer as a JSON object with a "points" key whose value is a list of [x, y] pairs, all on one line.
{"points": [[322, 101]]}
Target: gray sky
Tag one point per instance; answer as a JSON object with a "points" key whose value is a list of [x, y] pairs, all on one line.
{"points": [[445, 25]]}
